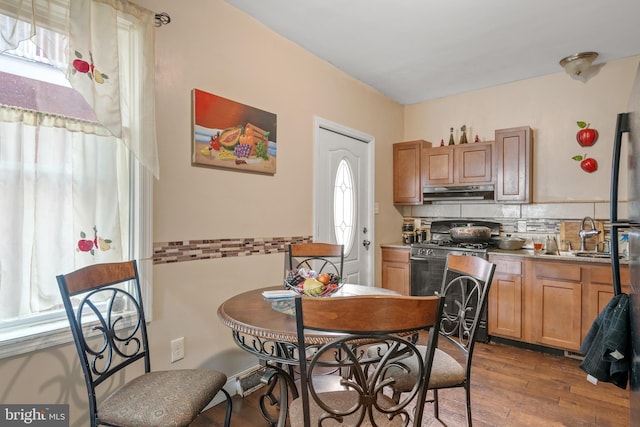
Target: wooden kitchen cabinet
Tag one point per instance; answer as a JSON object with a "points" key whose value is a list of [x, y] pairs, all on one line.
{"points": [[472, 164], [438, 168], [464, 164], [514, 165], [557, 304], [549, 303], [396, 273], [599, 292], [506, 297], [407, 172]]}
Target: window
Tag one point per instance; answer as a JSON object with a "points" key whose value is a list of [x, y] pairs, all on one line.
{"points": [[343, 206], [71, 194]]}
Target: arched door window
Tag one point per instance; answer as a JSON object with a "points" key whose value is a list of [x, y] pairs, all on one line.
{"points": [[344, 206]]}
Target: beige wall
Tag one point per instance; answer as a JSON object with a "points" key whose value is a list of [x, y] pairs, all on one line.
{"points": [[216, 48], [213, 47], [551, 105]]}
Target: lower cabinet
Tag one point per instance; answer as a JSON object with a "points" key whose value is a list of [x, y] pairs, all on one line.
{"points": [[396, 274], [557, 305], [505, 298], [599, 292], [549, 303]]}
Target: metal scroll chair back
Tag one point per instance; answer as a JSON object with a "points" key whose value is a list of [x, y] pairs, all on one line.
{"points": [[389, 322], [104, 307], [321, 257], [464, 291], [465, 287]]}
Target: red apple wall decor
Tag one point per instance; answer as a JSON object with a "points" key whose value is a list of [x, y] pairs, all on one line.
{"points": [[586, 136], [588, 164]]}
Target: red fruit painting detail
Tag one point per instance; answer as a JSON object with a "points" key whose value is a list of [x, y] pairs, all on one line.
{"points": [[588, 164], [214, 143], [586, 136]]}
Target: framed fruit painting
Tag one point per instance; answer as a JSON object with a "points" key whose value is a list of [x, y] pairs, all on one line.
{"points": [[231, 135]]}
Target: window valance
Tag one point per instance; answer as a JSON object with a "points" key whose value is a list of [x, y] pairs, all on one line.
{"points": [[83, 39]]}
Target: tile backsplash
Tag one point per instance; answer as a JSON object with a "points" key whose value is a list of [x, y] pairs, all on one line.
{"points": [[523, 220]]}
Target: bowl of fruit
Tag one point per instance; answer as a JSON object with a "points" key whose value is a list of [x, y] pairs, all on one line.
{"points": [[310, 283]]}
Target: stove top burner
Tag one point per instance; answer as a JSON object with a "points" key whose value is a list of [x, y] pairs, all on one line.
{"points": [[462, 245]]}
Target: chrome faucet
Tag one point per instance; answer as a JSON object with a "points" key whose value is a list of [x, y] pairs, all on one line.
{"points": [[583, 233]]}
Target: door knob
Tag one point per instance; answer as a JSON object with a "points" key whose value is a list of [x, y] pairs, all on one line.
{"points": [[366, 243]]}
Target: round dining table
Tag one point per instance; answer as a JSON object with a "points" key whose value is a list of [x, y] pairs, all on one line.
{"points": [[266, 328]]}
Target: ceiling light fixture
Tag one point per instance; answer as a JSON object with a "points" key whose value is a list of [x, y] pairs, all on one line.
{"points": [[578, 63]]}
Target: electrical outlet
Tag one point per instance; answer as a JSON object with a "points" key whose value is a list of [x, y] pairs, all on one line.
{"points": [[177, 349]]}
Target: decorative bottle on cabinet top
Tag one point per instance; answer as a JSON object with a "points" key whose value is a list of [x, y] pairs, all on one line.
{"points": [[463, 138], [451, 142]]}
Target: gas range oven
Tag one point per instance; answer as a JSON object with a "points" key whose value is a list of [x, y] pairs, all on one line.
{"points": [[440, 249], [428, 259]]}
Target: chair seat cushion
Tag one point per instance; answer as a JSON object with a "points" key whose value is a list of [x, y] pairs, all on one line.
{"points": [[342, 400], [445, 372], [163, 398]]}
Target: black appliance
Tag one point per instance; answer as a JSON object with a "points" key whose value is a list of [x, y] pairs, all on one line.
{"points": [[468, 192], [428, 259], [629, 123]]}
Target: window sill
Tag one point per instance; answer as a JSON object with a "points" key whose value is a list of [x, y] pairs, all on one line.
{"points": [[19, 341]]}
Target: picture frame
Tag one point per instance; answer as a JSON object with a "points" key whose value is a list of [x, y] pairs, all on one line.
{"points": [[230, 135]]}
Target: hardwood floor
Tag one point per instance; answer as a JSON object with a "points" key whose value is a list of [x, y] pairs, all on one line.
{"points": [[510, 386]]}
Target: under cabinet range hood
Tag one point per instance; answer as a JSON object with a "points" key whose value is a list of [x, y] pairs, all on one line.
{"points": [[457, 193]]}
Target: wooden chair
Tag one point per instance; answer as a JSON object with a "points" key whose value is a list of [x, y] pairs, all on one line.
{"points": [[321, 257], [391, 323], [107, 320], [465, 287]]}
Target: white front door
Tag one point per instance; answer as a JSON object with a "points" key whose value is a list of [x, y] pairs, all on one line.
{"points": [[343, 197]]}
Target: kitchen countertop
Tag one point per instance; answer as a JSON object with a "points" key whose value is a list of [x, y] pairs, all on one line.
{"points": [[397, 245], [527, 253]]}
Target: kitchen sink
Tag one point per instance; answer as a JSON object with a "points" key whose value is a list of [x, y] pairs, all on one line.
{"points": [[593, 255], [585, 254], [561, 253]]}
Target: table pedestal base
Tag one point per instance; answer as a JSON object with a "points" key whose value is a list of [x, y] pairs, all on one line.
{"points": [[276, 376]]}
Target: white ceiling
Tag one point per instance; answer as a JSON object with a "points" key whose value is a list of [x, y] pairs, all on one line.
{"points": [[418, 50]]}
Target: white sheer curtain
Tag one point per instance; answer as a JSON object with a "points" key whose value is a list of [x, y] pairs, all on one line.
{"points": [[60, 193], [93, 52], [64, 183]]}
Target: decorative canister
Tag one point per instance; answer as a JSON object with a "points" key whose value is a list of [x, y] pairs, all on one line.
{"points": [[408, 237]]}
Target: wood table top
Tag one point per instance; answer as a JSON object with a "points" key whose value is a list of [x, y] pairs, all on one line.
{"points": [[250, 313]]}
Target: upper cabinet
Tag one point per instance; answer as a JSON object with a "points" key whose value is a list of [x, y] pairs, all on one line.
{"points": [[514, 163], [407, 166], [438, 166], [457, 165], [506, 163]]}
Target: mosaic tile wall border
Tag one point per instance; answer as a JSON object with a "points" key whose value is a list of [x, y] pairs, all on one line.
{"points": [[191, 250]]}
